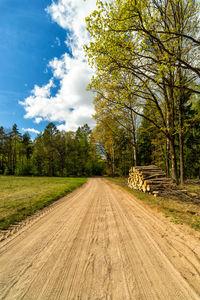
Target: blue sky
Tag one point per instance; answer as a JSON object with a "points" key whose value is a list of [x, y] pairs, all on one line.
{"points": [[43, 72]]}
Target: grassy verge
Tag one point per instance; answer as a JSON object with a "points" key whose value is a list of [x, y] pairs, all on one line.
{"points": [[22, 196], [179, 210]]}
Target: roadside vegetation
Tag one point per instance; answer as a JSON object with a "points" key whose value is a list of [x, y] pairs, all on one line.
{"points": [[180, 210], [22, 196], [145, 55]]}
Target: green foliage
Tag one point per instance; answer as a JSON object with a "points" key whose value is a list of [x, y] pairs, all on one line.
{"points": [[145, 58], [53, 153], [144, 143], [114, 142]]}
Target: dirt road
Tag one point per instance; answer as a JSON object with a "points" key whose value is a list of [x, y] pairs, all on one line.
{"points": [[100, 243]]}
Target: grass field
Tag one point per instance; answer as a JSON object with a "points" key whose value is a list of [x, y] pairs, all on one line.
{"points": [[177, 209], [22, 196]]}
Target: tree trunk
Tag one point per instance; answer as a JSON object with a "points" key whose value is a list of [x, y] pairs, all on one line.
{"points": [[174, 162], [181, 147], [135, 151], [134, 140], [113, 162], [180, 117], [171, 129], [167, 157]]}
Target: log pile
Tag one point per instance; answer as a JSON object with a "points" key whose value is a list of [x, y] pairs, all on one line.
{"points": [[148, 179]]}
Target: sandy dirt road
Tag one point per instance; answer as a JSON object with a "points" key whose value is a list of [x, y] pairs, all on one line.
{"points": [[100, 243]]}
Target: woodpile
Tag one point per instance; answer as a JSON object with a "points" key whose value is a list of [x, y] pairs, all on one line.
{"points": [[148, 179]]}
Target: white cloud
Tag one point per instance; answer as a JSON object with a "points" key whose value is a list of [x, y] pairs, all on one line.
{"points": [[31, 130], [38, 120], [73, 73]]}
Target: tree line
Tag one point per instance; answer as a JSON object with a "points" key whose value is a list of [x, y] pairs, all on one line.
{"points": [[52, 153], [146, 59]]}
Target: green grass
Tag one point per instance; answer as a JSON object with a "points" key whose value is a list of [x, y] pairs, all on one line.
{"points": [[178, 210], [22, 196]]}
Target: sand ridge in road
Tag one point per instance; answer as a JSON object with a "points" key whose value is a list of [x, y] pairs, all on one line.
{"points": [[100, 244]]}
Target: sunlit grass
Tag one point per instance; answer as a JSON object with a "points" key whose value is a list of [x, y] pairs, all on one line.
{"points": [[22, 196]]}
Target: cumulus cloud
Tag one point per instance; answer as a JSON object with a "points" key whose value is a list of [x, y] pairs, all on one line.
{"points": [[31, 130], [72, 105]]}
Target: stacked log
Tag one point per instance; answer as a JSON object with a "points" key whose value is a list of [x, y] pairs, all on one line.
{"points": [[148, 179]]}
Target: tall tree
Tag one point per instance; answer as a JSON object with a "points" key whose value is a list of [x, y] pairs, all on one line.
{"points": [[135, 38]]}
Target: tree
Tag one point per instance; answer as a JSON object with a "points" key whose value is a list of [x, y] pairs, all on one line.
{"points": [[60, 142], [82, 143], [119, 113], [27, 145], [50, 149], [133, 40], [52, 153], [114, 142]]}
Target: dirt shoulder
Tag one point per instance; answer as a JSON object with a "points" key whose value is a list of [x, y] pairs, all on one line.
{"points": [[181, 206], [100, 243]]}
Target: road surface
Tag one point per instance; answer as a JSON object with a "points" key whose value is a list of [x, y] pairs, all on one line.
{"points": [[100, 243]]}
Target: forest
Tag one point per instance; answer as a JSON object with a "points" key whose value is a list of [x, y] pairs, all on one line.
{"points": [[52, 153], [145, 55]]}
